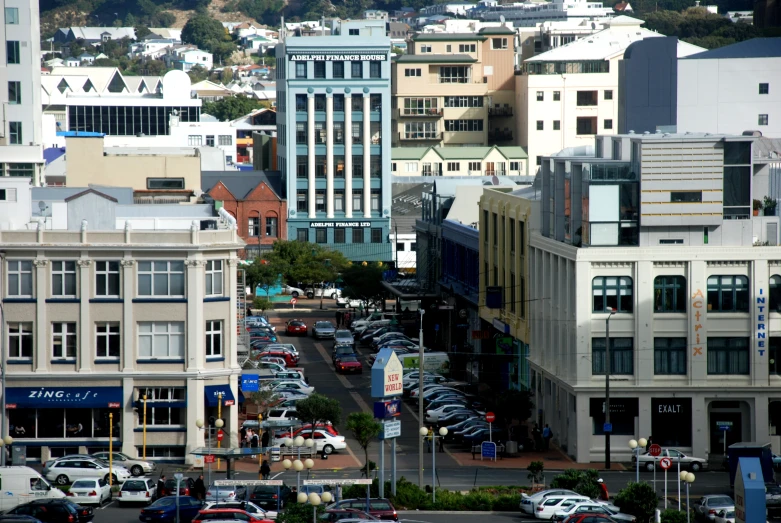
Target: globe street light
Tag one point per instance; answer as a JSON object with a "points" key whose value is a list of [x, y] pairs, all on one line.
{"points": [[442, 433], [688, 478], [636, 447], [314, 499]]}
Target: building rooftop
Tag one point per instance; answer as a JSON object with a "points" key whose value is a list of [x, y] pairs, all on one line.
{"points": [[457, 153], [434, 58], [754, 48], [123, 195], [162, 210], [150, 151], [496, 31], [241, 183], [446, 37]]}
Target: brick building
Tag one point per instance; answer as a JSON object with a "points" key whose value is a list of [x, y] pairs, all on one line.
{"points": [[255, 199]]}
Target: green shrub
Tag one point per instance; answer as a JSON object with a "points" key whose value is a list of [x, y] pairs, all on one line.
{"points": [[409, 496], [298, 513], [507, 503], [638, 500], [584, 482], [448, 500], [478, 501], [674, 516]]}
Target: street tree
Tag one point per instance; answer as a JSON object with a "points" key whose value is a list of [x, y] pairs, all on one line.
{"points": [[639, 500], [364, 428], [230, 108], [265, 273], [203, 31], [363, 282], [307, 263], [263, 400], [319, 409]]}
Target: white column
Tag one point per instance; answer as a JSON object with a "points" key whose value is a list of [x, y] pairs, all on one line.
{"points": [[367, 141], [348, 155], [42, 328], [310, 138], [329, 156], [231, 336], [86, 352], [128, 337], [194, 351], [196, 410], [128, 420]]}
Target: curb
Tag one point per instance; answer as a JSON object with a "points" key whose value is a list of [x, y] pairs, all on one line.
{"points": [[464, 512]]}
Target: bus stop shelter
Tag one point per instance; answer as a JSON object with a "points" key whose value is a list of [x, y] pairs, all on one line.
{"points": [[252, 483]]}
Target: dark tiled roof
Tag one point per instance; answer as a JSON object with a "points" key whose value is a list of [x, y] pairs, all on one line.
{"points": [[496, 31], [754, 48], [241, 183]]}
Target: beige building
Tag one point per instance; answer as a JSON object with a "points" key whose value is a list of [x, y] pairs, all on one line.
{"points": [[459, 161], [166, 171], [455, 89]]}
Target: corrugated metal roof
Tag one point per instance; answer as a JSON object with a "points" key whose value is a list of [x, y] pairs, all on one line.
{"points": [[447, 37], [241, 183], [162, 210], [754, 48], [123, 195]]}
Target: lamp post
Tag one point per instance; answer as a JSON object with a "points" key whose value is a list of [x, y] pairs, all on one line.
{"points": [[442, 433], [688, 478], [178, 476], [298, 465], [327, 263], [607, 387], [420, 394], [218, 424], [636, 446], [314, 499], [8, 440]]}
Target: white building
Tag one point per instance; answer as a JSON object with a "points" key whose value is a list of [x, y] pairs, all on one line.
{"points": [[21, 151], [732, 89], [531, 13], [545, 36], [569, 94], [404, 251], [153, 48], [659, 230], [458, 9], [459, 161]]}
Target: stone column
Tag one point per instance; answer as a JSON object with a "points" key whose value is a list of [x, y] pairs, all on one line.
{"points": [[42, 328], [194, 352], [230, 341], [367, 141], [329, 155], [310, 138], [87, 349], [348, 153], [129, 349]]}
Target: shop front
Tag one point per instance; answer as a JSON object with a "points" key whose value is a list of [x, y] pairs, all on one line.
{"points": [[63, 419], [671, 421], [623, 415], [218, 398]]}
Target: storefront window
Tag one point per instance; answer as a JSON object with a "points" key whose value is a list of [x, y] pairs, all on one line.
{"points": [[671, 421], [62, 423], [623, 412], [78, 423], [52, 424]]}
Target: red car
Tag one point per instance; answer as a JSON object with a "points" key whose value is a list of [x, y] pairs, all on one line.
{"points": [[290, 359], [296, 327], [378, 507], [308, 428], [348, 364], [585, 517], [223, 514]]}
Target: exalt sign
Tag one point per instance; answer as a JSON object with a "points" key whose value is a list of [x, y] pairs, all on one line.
{"points": [[338, 57]]}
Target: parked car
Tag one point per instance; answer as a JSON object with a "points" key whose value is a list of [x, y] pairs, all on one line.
{"points": [[349, 303], [89, 491], [343, 337], [247, 506], [773, 496], [380, 508], [323, 329], [262, 336], [589, 518], [547, 507], [225, 493], [726, 515], [592, 507], [284, 346], [324, 441], [293, 291], [289, 359], [269, 497], [50, 511], [527, 501], [65, 471], [164, 510], [296, 327], [348, 364], [706, 507], [137, 467], [317, 291], [222, 514], [284, 414], [186, 486], [307, 427], [344, 514], [137, 490], [342, 350], [690, 462]]}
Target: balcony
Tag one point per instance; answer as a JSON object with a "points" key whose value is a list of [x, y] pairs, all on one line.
{"points": [[500, 112], [420, 137], [496, 172], [498, 135], [420, 113], [432, 172]]}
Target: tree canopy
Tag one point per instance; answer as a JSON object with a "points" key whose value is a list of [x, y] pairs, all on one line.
{"points": [[364, 428], [363, 282], [697, 26], [233, 107], [208, 34], [319, 409], [305, 262]]}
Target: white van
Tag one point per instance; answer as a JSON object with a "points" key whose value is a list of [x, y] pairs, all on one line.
{"points": [[21, 485], [437, 362]]}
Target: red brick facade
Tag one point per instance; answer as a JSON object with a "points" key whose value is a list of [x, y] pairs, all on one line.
{"points": [[262, 199]]}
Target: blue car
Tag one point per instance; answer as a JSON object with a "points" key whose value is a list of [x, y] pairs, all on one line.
{"points": [[164, 510]]}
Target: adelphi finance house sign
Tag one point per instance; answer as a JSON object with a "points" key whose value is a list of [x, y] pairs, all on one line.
{"points": [[338, 57]]}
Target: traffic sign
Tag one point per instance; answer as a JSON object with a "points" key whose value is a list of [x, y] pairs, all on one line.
{"points": [[490, 417], [607, 428], [209, 458], [665, 463], [488, 450], [220, 435], [724, 425], [293, 301], [655, 450]]}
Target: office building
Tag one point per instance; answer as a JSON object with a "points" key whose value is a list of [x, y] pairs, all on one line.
{"points": [[333, 128], [655, 234], [526, 14]]}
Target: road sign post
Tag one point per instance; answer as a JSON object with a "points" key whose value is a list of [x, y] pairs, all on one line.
{"points": [[655, 451], [490, 417], [724, 427], [665, 463], [293, 302]]}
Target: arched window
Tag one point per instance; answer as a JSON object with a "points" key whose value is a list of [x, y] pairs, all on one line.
{"points": [[727, 294], [272, 225], [775, 293], [670, 294], [612, 293]]}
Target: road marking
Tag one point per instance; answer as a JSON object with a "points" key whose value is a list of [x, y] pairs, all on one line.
{"points": [[275, 476], [104, 507], [340, 377]]}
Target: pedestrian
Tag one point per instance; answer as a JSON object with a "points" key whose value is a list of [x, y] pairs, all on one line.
{"points": [[603, 493], [649, 442], [243, 435], [265, 470], [339, 316], [547, 434], [199, 489], [537, 437], [441, 443], [249, 312], [247, 437], [264, 439], [160, 491], [347, 318], [429, 438]]}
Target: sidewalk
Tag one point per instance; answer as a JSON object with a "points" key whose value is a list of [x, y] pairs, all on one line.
{"points": [[553, 459]]}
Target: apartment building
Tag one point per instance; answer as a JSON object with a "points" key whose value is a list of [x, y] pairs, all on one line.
{"points": [[526, 14], [655, 237], [21, 151], [547, 35], [99, 317], [459, 161], [569, 94], [333, 130], [455, 89]]}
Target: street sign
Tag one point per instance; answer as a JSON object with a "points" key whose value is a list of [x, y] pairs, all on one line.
{"points": [[335, 482], [488, 450], [665, 463], [391, 429], [724, 425], [655, 450], [490, 417], [293, 301], [209, 458], [250, 383], [607, 428], [220, 435], [247, 482]]}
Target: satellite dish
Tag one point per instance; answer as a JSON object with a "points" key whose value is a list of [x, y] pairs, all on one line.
{"points": [[501, 18], [494, 180], [42, 206]]}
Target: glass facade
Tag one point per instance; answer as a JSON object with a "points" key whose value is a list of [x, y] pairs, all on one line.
{"points": [[127, 121]]}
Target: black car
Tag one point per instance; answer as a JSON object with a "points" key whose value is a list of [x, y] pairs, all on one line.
{"points": [[341, 350], [269, 497], [54, 511], [368, 337], [186, 487]]}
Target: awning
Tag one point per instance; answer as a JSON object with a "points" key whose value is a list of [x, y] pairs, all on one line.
{"points": [[212, 393], [71, 397]]}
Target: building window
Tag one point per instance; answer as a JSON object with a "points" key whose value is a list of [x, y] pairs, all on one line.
{"points": [[161, 278], [376, 235], [669, 356], [686, 197], [339, 200], [301, 201], [164, 183], [20, 278], [356, 69], [319, 104], [375, 69], [621, 356], [775, 293], [353, 32], [64, 340], [194, 140], [540, 125], [467, 48], [471, 125], [214, 277], [161, 339], [540, 96], [457, 74], [14, 93], [320, 201], [272, 226], [475, 166], [539, 160], [498, 43], [321, 235], [213, 338], [670, 294], [556, 96], [764, 88], [254, 227], [357, 235], [586, 125], [12, 15], [463, 101], [556, 125], [319, 69], [728, 355], [586, 98], [12, 54], [338, 132], [512, 292], [375, 200], [612, 293], [209, 140], [608, 94], [762, 119], [357, 103], [358, 200], [608, 124], [15, 133], [160, 411], [20, 340], [63, 278], [302, 235], [106, 278], [728, 294], [301, 103], [338, 70], [399, 246], [412, 72], [107, 342], [425, 49], [453, 166], [300, 69], [225, 139], [301, 133]]}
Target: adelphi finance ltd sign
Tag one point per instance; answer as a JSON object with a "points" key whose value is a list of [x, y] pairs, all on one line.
{"points": [[338, 57]]}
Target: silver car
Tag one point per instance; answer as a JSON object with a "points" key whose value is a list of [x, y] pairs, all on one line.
{"points": [[226, 493], [323, 329], [137, 467], [344, 337]]}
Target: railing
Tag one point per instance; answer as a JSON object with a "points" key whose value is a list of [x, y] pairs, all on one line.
{"points": [[420, 113], [417, 137], [500, 111], [498, 135], [432, 172], [495, 172]]}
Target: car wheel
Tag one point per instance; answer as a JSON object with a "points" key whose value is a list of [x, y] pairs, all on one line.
{"points": [[328, 449], [649, 467], [310, 295], [695, 467], [62, 479], [294, 294], [137, 470]]}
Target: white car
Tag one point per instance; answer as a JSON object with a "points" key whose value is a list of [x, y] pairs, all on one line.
{"points": [[89, 491], [247, 506], [64, 471], [546, 508], [137, 490], [726, 515], [330, 292], [281, 415], [324, 442], [349, 303], [299, 386], [293, 291], [432, 416], [137, 467]]}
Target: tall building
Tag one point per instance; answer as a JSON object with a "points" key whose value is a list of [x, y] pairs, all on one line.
{"points": [[655, 238], [455, 89], [21, 150], [334, 144]]}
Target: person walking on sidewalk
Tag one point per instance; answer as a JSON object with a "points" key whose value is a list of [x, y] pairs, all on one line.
{"points": [[537, 437], [603, 493], [547, 434], [265, 470]]}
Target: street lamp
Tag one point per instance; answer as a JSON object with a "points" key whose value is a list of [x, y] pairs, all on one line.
{"points": [[421, 356], [607, 387], [218, 424], [7, 440], [687, 478], [298, 465], [314, 499], [442, 433], [636, 447]]}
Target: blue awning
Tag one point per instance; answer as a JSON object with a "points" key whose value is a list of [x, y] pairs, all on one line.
{"points": [[71, 397], [212, 392]]}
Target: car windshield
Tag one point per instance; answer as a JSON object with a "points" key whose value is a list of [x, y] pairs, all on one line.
{"points": [[720, 501], [134, 486], [297, 323], [323, 325], [263, 489], [349, 359], [84, 483]]}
